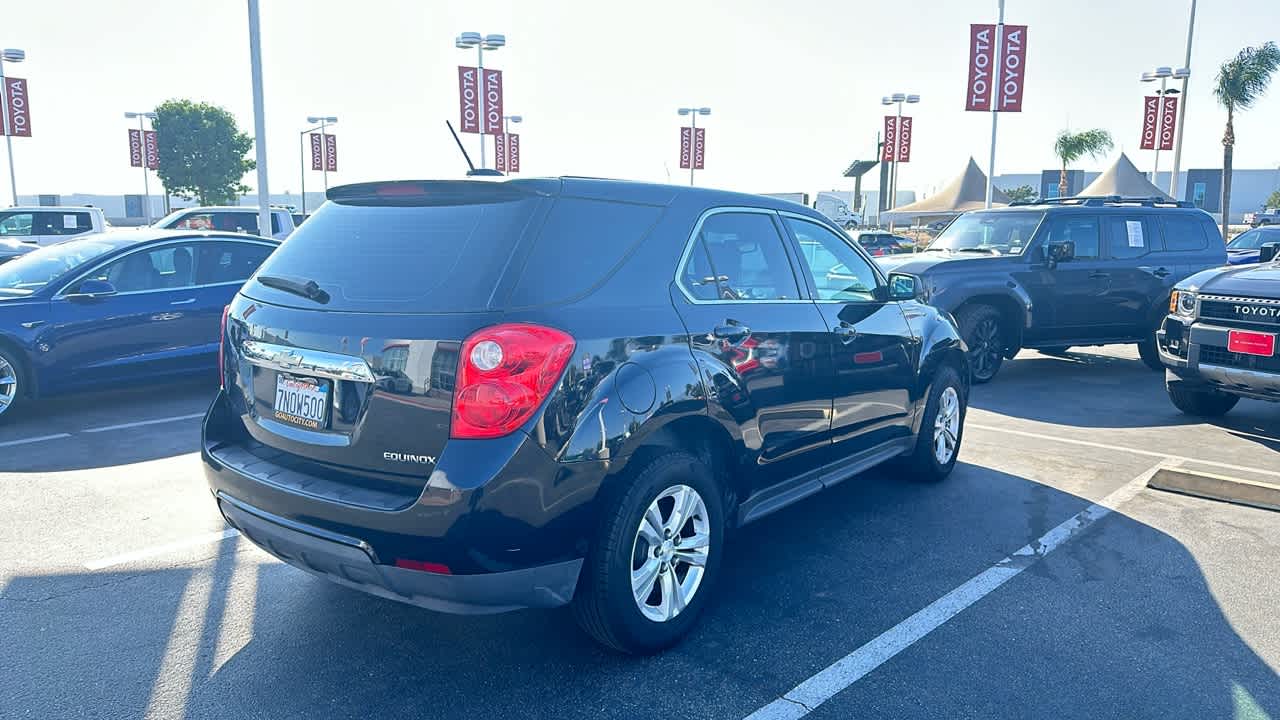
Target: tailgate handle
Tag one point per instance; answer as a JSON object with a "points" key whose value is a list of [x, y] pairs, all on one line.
{"points": [[316, 363]]}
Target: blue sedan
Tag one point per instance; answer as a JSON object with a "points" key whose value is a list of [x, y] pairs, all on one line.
{"points": [[1245, 247], [117, 308]]}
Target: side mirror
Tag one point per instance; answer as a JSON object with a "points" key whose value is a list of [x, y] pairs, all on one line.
{"points": [[1268, 251], [1060, 251], [904, 286], [92, 289]]}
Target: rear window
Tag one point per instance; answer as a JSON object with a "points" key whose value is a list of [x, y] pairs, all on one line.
{"points": [[401, 257]]}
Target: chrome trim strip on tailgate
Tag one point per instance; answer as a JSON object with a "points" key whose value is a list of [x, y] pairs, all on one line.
{"points": [[307, 362]]}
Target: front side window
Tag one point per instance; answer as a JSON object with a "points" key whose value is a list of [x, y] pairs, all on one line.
{"points": [[1081, 231], [16, 224], [38, 268], [1254, 239], [164, 268], [991, 233], [838, 271], [739, 256]]}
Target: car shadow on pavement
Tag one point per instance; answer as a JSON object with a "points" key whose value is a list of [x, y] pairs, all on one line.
{"points": [[244, 636]]}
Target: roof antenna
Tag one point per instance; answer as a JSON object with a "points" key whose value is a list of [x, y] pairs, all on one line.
{"points": [[470, 165]]}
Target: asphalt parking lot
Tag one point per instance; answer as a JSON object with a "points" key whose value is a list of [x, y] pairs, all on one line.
{"points": [[1042, 579]]}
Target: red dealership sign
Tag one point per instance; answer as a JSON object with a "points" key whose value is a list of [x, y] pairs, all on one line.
{"points": [[1013, 68], [331, 152], [982, 43], [492, 102], [699, 148], [1150, 119], [317, 151], [17, 110], [686, 148], [890, 138], [468, 99], [152, 149], [904, 139], [500, 152], [1168, 121], [135, 148], [513, 152]]}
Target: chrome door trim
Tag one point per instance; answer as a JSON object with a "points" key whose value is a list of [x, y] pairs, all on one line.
{"points": [[307, 362]]}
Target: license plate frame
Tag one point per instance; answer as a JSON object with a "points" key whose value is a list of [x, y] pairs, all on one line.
{"points": [[307, 401], [1250, 342]]}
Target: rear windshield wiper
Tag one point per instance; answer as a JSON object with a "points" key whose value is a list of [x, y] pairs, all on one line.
{"points": [[309, 289]]}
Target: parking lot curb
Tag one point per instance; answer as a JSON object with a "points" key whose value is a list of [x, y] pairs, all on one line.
{"points": [[1218, 487]]}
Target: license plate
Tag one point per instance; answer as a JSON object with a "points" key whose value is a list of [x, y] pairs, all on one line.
{"points": [[1251, 343], [302, 401]]}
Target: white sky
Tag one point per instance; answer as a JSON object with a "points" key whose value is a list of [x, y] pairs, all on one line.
{"points": [[794, 86]]}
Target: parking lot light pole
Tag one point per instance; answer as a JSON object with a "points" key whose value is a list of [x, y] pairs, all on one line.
{"points": [[142, 137], [1181, 120], [897, 99], [324, 161], [693, 113], [12, 55], [1162, 74], [466, 41], [259, 119]]}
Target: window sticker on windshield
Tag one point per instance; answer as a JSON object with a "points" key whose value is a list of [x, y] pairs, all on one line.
{"points": [[69, 222], [1135, 233]]}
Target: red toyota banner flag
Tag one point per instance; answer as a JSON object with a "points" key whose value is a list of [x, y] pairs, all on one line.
{"points": [[500, 152], [492, 102], [135, 148], [686, 148], [513, 152], [317, 152], [469, 99], [1150, 117], [904, 139], [699, 148], [152, 149], [331, 152], [1013, 69], [982, 45], [17, 107], [1169, 120], [890, 138]]}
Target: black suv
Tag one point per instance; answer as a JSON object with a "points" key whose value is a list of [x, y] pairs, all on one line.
{"points": [[1063, 273], [1219, 340], [480, 396]]}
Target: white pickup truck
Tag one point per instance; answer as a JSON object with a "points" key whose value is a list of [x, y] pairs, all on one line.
{"points": [[48, 225], [1270, 216]]}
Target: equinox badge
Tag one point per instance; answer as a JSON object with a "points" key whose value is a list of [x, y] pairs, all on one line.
{"points": [[407, 457]]}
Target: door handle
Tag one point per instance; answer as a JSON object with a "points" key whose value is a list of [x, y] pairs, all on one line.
{"points": [[847, 333], [1099, 275], [731, 331], [188, 301], [1161, 273]]}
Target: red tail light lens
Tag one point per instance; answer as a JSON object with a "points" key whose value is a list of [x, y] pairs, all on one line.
{"points": [[222, 349], [504, 373]]}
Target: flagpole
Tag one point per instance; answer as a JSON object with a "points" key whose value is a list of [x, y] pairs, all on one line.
{"points": [[991, 164]]}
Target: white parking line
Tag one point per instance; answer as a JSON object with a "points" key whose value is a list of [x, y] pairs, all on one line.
{"points": [[42, 438], [821, 687], [1121, 448], [145, 553], [141, 423]]}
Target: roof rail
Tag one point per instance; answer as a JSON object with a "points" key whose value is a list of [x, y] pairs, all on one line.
{"points": [[1101, 200]]}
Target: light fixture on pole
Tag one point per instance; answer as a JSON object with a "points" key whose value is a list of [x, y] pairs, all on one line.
{"points": [[466, 41], [1183, 74], [508, 119], [10, 55], [302, 153], [1162, 74], [142, 138], [897, 99], [693, 113]]}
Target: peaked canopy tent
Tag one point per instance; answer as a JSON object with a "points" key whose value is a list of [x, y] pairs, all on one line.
{"points": [[968, 191], [1125, 180]]}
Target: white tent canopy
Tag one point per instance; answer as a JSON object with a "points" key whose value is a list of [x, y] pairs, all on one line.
{"points": [[1125, 180], [968, 191]]}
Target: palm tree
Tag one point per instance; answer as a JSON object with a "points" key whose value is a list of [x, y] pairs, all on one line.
{"points": [[1241, 81], [1070, 147]]}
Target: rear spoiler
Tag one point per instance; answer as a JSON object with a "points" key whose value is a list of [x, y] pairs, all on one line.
{"points": [[425, 193]]}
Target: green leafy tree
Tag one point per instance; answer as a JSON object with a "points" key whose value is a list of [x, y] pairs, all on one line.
{"points": [[1274, 200], [203, 154], [1241, 81], [1070, 147], [1022, 193]]}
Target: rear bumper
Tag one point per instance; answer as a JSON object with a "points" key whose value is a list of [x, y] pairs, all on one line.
{"points": [[353, 563], [1181, 348]]}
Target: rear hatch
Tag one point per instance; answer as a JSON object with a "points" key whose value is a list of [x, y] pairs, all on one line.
{"points": [[343, 348]]}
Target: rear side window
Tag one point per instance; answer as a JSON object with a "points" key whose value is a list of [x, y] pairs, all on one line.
{"points": [[62, 223], [222, 262], [1182, 233], [739, 256], [581, 242], [402, 258], [1129, 236]]}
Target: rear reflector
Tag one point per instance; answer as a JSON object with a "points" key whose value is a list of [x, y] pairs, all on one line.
{"points": [[423, 566], [222, 350], [504, 374]]}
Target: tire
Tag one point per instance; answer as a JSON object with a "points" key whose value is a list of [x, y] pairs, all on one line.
{"points": [[981, 328], [1056, 351], [13, 393], [1201, 403], [605, 605], [1147, 349], [924, 461]]}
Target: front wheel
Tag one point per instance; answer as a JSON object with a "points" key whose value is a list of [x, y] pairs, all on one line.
{"points": [[1202, 403], [12, 394], [941, 428], [1150, 355], [980, 326], [655, 557]]}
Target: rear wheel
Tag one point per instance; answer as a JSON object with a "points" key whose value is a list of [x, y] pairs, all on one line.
{"points": [[655, 557], [981, 328], [1202, 402], [12, 392]]}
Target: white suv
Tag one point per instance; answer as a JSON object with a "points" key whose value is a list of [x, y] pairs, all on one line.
{"points": [[228, 219]]}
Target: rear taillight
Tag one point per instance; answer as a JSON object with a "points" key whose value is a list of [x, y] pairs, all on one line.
{"points": [[222, 349], [504, 374]]}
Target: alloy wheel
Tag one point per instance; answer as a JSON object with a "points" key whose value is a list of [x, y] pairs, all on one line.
{"points": [[8, 385], [985, 350], [669, 553], [946, 426]]}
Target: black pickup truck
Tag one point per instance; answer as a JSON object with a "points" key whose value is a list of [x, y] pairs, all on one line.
{"points": [[1062, 273], [1219, 340]]}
